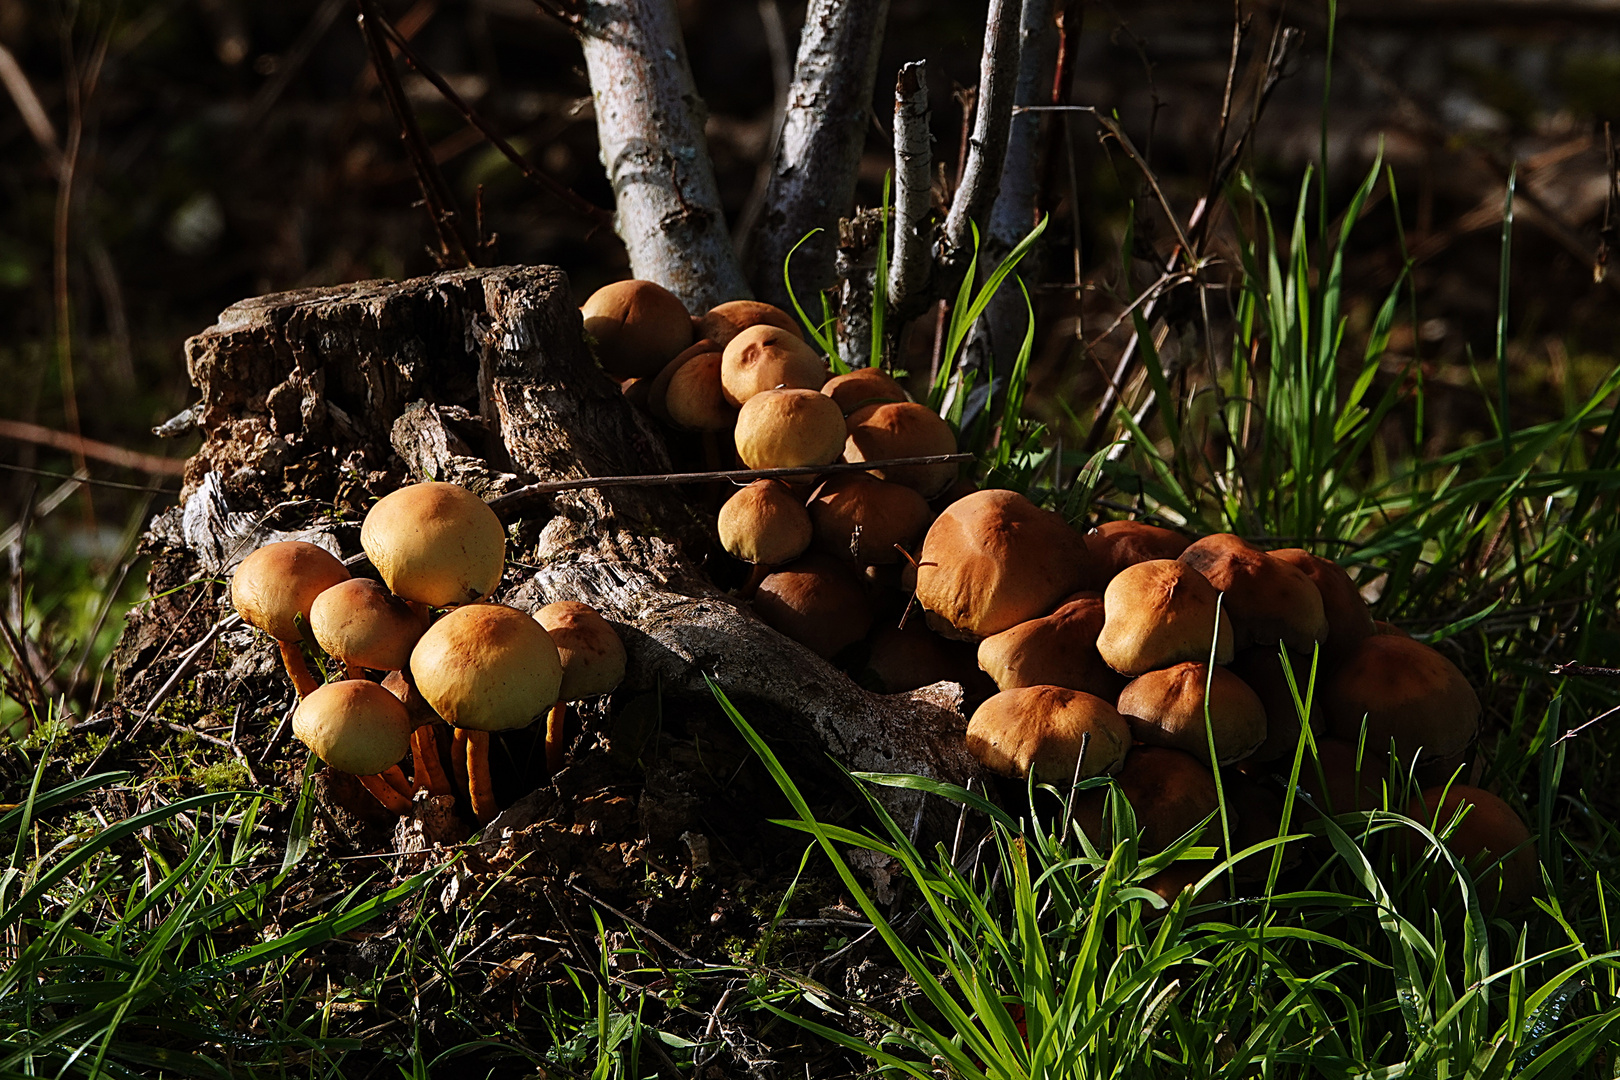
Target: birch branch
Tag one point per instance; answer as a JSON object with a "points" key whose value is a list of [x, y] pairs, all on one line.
{"points": [[910, 263], [987, 146], [649, 122], [813, 181]]}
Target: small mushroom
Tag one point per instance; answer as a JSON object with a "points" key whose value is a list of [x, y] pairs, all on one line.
{"points": [[725, 321], [592, 657], [484, 668], [1490, 839], [1406, 692], [436, 544], [1268, 599], [1114, 545], [1170, 791], [1042, 729], [1158, 613], [768, 358], [861, 519], [900, 430], [1170, 707], [658, 385], [764, 524], [694, 399], [818, 602], [357, 727], [637, 327], [855, 390], [363, 625], [427, 771], [906, 657], [275, 587], [785, 428], [1059, 649], [1341, 781], [1262, 669], [1349, 621], [993, 560]]}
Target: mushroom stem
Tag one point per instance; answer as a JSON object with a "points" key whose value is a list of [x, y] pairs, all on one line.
{"points": [[396, 780], [292, 658], [385, 794], [472, 766], [426, 769], [458, 756], [758, 574], [353, 671], [554, 737]]}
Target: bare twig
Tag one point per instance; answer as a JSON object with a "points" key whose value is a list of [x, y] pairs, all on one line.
{"points": [[519, 496], [909, 265], [436, 197], [81, 448], [38, 122], [559, 191], [813, 179], [649, 122], [987, 148], [1585, 669]]}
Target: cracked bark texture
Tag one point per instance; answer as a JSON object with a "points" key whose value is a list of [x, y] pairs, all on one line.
{"points": [[405, 365], [912, 258], [813, 180], [649, 122]]}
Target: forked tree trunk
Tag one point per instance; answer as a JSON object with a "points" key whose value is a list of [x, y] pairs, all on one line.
{"points": [[311, 397]]}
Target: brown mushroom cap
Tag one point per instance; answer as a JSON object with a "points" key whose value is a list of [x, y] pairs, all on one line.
{"points": [[1389, 628], [1491, 840], [906, 657], [1348, 788], [765, 523], [1259, 814], [638, 327], [1059, 649], [487, 667], [1349, 620], [993, 560], [1114, 545], [1169, 790], [355, 726], [658, 385], [1269, 599], [900, 430], [435, 543], [416, 706], [768, 358], [1262, 669], [693, 398], [279, 582], [1168, 708], [860, 518], [1041, 729], [725, 321], [1158, 613], [1408, 692], [786, 428], [855, 390], [590, 650], [363, 624], [818, 602]]}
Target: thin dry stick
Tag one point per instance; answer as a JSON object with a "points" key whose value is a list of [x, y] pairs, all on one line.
{"points": [[81, 448], [518, 495], [564, 194]]}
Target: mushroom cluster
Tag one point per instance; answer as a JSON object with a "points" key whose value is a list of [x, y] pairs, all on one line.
{"points": [[429, 666]]}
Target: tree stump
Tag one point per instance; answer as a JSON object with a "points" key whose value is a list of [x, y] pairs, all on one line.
{"points": [[316, 402]]}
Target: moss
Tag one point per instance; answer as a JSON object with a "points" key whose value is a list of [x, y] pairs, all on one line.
{"points": [[220, 776]]}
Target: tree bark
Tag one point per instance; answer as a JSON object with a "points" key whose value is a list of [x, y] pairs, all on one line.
{"points": [[912, 258], [649, 121], [813, 181], [337, 395], [987, 146]]}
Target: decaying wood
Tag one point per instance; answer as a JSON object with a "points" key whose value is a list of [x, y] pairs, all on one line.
{"points": [[336, 396]]}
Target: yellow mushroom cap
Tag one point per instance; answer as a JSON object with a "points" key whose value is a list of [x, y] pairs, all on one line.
{"points": [[1040, 729], [279, 582], [638, 327], [693, 398], [768, 358], [785, 428], [361, 623], [903, 429], [765, 523], [993, 560], [1059, 649], [1158, 613], [725, 321], [435, 543], [590, 650], [487, 667], [354, 725]]}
